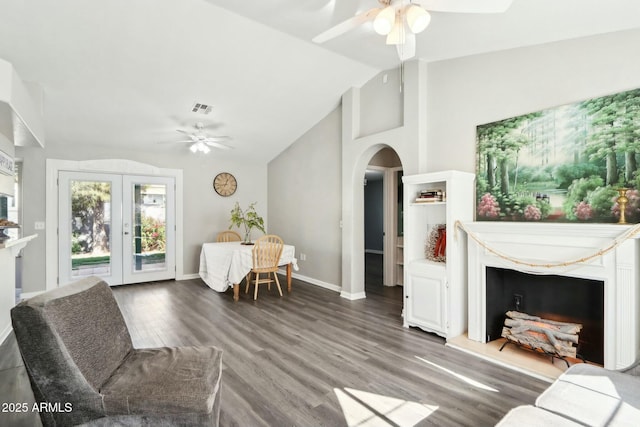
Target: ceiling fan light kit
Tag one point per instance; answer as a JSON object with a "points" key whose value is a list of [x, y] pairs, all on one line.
{"points": [[397, 34], [385, 21], [417, 18], [391, 21], [201, 142], [199, 146], [401, 20]]}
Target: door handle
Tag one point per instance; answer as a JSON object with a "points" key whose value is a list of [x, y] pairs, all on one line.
{"points": [[126, 232]]}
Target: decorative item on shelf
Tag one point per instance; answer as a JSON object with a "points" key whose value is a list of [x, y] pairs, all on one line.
{"points": [[622, 203], [248, 219], [436, 247], [430, 196]]}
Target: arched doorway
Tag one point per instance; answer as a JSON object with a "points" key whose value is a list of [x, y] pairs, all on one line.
{"points": [[382, 157], [382, 221]]}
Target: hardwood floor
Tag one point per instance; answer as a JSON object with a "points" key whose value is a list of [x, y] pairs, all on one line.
{"points": [[310, 358]]}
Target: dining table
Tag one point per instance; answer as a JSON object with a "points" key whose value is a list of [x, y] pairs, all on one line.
{"points": [[225, 264]]}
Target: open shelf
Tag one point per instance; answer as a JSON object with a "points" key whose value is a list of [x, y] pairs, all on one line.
{"points": [[435, 292]]}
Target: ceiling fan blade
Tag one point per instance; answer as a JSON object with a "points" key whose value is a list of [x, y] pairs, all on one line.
{"points": [[217, 138], [346, 26], [408, 49], [218, 145], [174, 142], [466, 6]]}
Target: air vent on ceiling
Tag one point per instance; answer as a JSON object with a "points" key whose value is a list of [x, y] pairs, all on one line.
{"points": [[201, 108]]}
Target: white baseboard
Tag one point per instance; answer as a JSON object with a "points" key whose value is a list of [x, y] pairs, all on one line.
{"points": [[353, 297], [312, 281], [297, 276], [5, 333]]}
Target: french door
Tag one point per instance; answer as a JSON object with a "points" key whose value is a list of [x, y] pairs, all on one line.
{"points": [[118, 227]]}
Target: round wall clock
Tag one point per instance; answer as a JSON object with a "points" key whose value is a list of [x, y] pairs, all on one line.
{"points": [[225, 184]]}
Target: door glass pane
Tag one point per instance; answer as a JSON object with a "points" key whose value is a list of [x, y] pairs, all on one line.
{"points": [[149, 224], [90, 228]]}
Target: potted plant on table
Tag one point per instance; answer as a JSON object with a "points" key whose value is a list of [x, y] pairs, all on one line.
{"points": [[248, 219]]}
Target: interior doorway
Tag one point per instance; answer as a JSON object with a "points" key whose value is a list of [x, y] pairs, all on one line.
{"points": [[373, 229], [382, 221]]}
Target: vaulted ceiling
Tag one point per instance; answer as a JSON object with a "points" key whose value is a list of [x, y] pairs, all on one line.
{"points": [[127, 73]]}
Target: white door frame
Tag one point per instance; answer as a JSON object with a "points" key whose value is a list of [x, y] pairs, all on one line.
{"points": [[115, 166]]}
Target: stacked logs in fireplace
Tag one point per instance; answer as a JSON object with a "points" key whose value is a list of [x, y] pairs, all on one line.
{"points": [[556, 339]]}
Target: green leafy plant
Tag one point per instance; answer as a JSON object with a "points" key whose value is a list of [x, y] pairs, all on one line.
{"points": [[248, 219], [602, 200], [578, 192], [153, 234]]}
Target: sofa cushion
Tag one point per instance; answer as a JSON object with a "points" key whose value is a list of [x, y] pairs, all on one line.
{"points": [[184, 380], [612, 383], [529, 416], [80, 312], [53, 355], [583, 405], [622, 387]]}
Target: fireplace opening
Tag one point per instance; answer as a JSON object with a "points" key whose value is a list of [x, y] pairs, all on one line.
{"points": [[558, 298]]}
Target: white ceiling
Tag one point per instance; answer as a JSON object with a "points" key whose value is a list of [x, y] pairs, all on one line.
{"points": [[126, 72]]}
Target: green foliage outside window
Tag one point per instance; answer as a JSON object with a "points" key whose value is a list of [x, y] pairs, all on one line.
{"points": [[153, 234]]}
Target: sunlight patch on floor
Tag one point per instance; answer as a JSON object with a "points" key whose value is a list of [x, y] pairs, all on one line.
{"points": [[461, 377], [361, 408]]}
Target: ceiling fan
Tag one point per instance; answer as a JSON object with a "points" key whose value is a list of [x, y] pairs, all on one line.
{"points": [[401, 20], [200, 141]]}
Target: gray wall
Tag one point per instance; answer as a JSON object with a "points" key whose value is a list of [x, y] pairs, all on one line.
{"points": [[462, 94], [471, 91], [381, 103], [305, 198], [205, 213]]}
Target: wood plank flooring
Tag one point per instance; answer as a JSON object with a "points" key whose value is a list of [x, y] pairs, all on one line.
{"points": [[309, 358]]}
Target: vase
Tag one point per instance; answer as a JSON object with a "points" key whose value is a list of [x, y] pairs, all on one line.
{"points": [[622, 204], [247, 238]]}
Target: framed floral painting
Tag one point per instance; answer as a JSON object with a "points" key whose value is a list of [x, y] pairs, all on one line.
{"points": [[566, 164]]}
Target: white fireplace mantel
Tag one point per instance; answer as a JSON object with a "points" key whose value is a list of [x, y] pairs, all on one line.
{"points": [[552, 243]]}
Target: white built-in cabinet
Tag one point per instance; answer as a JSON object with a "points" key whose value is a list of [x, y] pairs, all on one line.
{"points": [[435, 293]]}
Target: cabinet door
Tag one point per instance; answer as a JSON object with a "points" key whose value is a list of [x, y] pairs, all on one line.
{"points": [[425, 301]]}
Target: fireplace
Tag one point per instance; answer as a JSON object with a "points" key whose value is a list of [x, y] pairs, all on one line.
{"points": [[552, 297], [519, 261]]}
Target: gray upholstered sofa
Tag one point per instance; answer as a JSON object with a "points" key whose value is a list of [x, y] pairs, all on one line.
{"points": [[584, 395], [81, 363]]}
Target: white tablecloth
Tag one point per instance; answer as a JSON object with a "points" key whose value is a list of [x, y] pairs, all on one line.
{"points": [[226, 263]]}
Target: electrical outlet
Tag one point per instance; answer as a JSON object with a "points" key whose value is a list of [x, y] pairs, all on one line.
{"points": [[38, 225], [517, 300], [303, 257]]}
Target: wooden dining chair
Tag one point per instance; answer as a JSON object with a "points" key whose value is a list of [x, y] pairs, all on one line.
{"points": [[228, 236], [266, 254]]}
